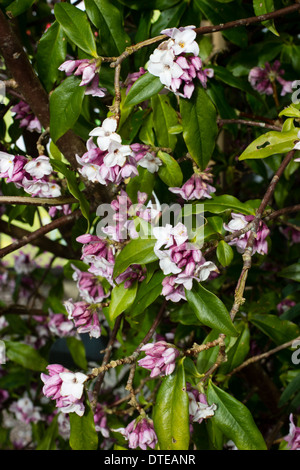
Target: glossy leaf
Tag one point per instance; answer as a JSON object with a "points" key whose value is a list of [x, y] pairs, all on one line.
{"points": [[108, 19], [169, 172], [164, 117], [210, 310], [143, 88], [51, 54], [83, 435], [224, 253], [237, 349], [219, 204], [25, 355], [121, 300], [139, 251], [17, 7], [262, 7], [291, 272], [235, 420], [270, 143], [280, 331], [199, 120], [147, 294], [76, 26], [65, 106], [171, 412]]}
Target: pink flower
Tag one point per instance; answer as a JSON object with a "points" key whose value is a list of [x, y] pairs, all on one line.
{"points": [[261, 79], [196, 187], [160, 358], [139, 433], [293, 437], [27, 118], [89, 72], [240, 221], [85, 318]]}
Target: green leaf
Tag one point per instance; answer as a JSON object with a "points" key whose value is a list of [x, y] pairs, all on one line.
{"points": [[147, 294], [108, 19], [291, 272], [164, 117], [18, 7], [210, 310], [265, 6], [235, 420], [121, 300], [76, 26], [143, 88], [237, 349], [77, 350], [290, 390], [208, 357], [65, 106], [171, 412], [219, 204], [270, 143], [169, 172], [25, 355], [72, 186], [49, 436], [280, 331], [83, 435], [199, 120], [138, 251], [51, 53], [144, 180], [224, 75], [224, 253]]}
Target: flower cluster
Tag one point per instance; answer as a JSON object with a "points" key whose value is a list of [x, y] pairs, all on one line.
{"points": [[85, 317], [198, 186], [145, 157], [27, 118], [65, 387], [160, 358], [32, 176], [99, 255], [89, 287], [176, 62], [109, 161], [239, 222], [88, 70], [263, 78], [180, 259], [139, 433]]}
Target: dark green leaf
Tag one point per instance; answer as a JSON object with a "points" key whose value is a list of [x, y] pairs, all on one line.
{"points": [[147, 294], [224, 253], [18, 7], [210, 310], [51, 53], [76, 26], [234, 420], [121, 300], [164, 117], [237, 349], [261, 7], [25, 355], [65, 106], [108, 19], [290, 390], [143, 88], [77, 350], [291, 272], [83, 435], [171, 412], [169, 172], [199, 120], [139, 251], [280, 331], [49, 437]]}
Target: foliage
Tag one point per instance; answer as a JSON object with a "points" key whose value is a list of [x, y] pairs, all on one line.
{"points": [[150, 218]]}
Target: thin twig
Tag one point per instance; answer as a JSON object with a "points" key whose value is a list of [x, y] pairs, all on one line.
{"points": [[37, 201]]}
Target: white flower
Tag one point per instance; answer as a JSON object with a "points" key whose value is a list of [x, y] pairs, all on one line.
{"points": [[150, 162], [162, 65], [166, 264], [116, 154], [72, 384], [205, 269], [41, 188], [163, 236], [39, 167], [106, 133], [184, 40], [204, 411], [237, 222], [179, 233], [6, 163]]}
